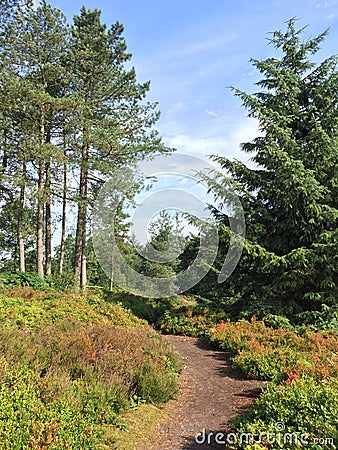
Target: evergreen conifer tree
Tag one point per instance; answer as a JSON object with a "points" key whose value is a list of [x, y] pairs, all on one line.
{"points": [[290, 199]]}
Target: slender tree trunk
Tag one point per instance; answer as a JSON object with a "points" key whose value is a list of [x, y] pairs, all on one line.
{"points": [[40, 223], [80, 241], [64, 208], [21, 244], [41, 188], [48, 237], [112, 269], [84, 261], [48, 213], [4, 159], [78, 245]]}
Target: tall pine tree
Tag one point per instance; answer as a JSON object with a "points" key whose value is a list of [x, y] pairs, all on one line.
{"points": [[114, 123], [41, 42]]}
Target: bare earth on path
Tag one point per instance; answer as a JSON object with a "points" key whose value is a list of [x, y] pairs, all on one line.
{"points": [[211, 393]]}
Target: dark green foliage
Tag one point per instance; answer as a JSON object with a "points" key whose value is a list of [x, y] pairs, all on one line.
{"points": [[14, 280], [290, 200], [324, 319]]}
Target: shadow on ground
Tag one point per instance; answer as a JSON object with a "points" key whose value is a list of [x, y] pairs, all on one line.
{"points": [[208, 440]]}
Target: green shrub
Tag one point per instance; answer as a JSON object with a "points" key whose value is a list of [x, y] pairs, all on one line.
{"points": [[30, 309], [27, 422], [189, 321], [153, 383], [303, 407], [14, 280], [275, 321], [326, 319], [141, 307]]}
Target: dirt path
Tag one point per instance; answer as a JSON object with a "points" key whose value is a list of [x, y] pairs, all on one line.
{"points": [[211, 393]]}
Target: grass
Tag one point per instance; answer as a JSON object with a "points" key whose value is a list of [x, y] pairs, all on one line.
{"points": [[141, 428]]}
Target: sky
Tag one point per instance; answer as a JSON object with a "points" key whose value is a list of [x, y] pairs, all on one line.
{"points": [[193, 51]]}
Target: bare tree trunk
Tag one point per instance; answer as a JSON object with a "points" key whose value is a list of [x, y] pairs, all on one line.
{"points": [[48, 237], [78, 247], [41, 188], [40, 223], [64, 209], [112, 269], [21, 244], [84, 261], [80, 240]]}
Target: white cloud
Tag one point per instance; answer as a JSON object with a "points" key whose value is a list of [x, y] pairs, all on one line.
{"points": [[175, 108], [326, 4], [211, 113], [226, 143]]}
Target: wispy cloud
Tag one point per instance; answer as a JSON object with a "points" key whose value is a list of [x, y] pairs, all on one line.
{"points": [[211, 113], [326, 4], [197, 46], [226, 144]]}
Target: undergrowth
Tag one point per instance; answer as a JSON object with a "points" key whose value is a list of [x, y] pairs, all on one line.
{"points": [[70, 365]]}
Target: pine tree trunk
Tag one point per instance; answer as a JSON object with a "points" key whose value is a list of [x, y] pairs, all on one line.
{"points": [[78, 246], [64, 212], [21, 244], [84, 262], [112, 269], [48, 237], [41, 188], [80, 241]]}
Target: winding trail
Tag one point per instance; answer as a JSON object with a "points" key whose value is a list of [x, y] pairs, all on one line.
{"points": [[211, 393]]}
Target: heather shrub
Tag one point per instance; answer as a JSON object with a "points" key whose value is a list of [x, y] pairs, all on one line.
{"points": [[68, 369], [26, 421], [299, 413], [30, 309], [189, 321], [270, 354], [301, 403]]}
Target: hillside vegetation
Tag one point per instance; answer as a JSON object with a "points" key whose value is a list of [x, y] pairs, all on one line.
{"points": [[70, 365]]}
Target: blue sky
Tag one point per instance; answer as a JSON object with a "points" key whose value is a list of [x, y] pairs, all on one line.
{"points": [[192, 50]]}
